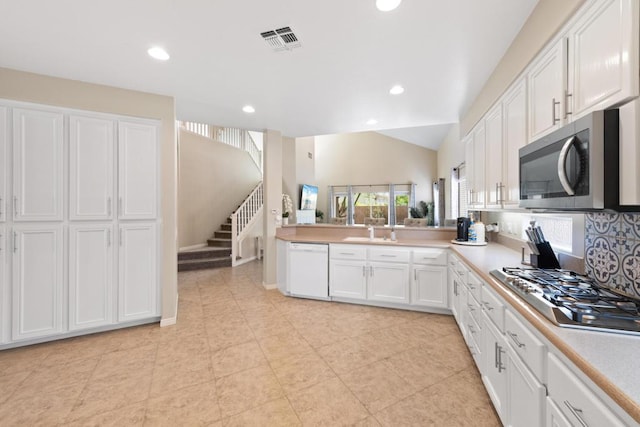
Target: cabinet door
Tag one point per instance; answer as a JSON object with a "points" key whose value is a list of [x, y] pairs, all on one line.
{"points": [[5, 307], [388, 282], [4, 165], [454, 297], [526, 401], [514, 107], [138, 281], [37, 165], [470, 165], [90, 275], [555, 417], [429, 286], [493, 137], [37, 281], [348, 279], [494, 375], [91, 183], [137, 170], [547, 83], [479, 138], [603, 56]]}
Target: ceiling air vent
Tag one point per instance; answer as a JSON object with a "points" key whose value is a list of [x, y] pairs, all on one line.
{"points": [[281, 39]]}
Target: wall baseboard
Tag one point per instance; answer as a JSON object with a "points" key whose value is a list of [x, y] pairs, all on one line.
{"points": [[192, 247], [171, 320], [270, 286], [244, 261]]}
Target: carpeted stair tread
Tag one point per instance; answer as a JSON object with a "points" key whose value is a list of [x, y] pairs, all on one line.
{"points": [[217, 242], [203, 253]]}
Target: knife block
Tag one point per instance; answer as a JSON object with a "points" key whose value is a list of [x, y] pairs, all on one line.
{"points": [[546, 258]]}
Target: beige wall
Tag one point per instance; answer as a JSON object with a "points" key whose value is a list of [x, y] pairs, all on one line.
{"points": [[272, 178], [450, 155], [21, 86], [214, 179], [371, 158], [544, 22], [289, 183]]}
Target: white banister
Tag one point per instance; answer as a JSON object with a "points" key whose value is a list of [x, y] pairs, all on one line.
{"points": [[243, 218]]}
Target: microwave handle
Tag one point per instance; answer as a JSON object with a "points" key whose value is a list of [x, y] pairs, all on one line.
{"points": [[562, 171]]}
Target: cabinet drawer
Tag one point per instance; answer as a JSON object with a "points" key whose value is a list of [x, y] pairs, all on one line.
{"points": [[493, 307], [474, 284], [459, 269], [474, 308], [577, 402], [531, 350], [430, 256], [389, 255], [348, 252]]}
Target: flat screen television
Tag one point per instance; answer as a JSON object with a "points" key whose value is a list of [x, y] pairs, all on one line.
{"points": [[308, 197]]}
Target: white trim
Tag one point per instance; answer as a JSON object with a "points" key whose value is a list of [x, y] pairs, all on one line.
{"points": [[269, 286], [171, 320], [242, 261], [192, 247]]}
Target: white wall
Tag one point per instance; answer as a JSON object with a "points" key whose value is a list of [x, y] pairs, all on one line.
{"points": [[371, 158], [214, 179], [289, 182], [450, 155]]}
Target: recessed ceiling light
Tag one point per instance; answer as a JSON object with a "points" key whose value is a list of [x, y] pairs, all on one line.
{"points": [[387, 5], [248, 109], [371, 122], [158, 53], [396, 90]]}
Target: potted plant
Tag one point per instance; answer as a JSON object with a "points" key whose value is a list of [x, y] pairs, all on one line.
{"points": [[287, 208]]}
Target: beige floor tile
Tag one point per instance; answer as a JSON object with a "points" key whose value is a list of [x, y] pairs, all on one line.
{"points": [[130, 416], [220, 306], [246, 390], [85, 347], [367, 422], [47, 378], [24, 358], [184, 350], [419, 368], [438, 323], [268, 325], [277, 413], [170, 378], [301, 371], [349, 354], [227, 333], [108, 394], [237, 358], [192, 406], [10, 383], [127, 363], [376, 386], [276, 348], [328, 403], [48, 408]]}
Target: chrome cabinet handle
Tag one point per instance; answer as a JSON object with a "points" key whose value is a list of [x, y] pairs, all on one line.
{"points": [[388, 256], [109, 208], [495, 355], [554, 119], [371, 271], [567, 95], [487, 305], [415, 275], [363, 269], [470, 327], [562, 166], [108, 238], [120, 206], [1, 206], [15, 206], [1, 246], [455, 288], [515, 339], [470, 286], [347, 253], [501, 366], [576, 412], [120, 237], [15, 242], [470, 307]]}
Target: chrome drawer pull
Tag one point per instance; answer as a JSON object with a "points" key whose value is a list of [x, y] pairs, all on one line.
{"points": [[487, 305], [576, 413], [470, 307], [387, 256], [347, 253], [515, 339], [470, 327]]}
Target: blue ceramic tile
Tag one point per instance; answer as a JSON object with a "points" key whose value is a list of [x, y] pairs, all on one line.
{"points": [[631, 225], [631, 268], [601, 223], [620, 285], [602, 262]]}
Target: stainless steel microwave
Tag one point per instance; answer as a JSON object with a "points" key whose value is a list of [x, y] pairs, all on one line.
{"points": [[574, 167]]}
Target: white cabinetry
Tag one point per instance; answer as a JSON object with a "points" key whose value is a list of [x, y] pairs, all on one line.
{"points": [[603, 56], [38, 147], [4, 159], [37, 281], [348, 271], [138, 281], [547, 82], [429, 278], [494, 373], [514, 111], [91, 180], [457, 275], [137, 170], [526, 396], [388, 275], [493, 135], [573, 399], [90, 275], [5, 304], [475, 158]]}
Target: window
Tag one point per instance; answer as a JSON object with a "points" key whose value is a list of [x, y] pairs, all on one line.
{"points": [[459, 192], [356, 203]]}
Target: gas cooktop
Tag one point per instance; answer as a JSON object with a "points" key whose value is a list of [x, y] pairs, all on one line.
{"points": [[571, 300]]}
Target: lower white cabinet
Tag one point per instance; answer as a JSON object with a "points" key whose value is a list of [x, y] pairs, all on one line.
{"points": [[494, 372], [138, 277], [5, 307], [90, 275], [348, 279], [388, 281], [429, 286], [555, 418], [526, 395], [37, 281]]}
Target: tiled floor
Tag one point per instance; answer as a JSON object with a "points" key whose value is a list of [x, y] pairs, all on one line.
{"points": [[240, 355]]}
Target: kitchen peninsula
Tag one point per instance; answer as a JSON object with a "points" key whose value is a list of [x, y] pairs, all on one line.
{"points": [[525, 361]]}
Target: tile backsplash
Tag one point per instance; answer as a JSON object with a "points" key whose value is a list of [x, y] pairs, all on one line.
{"points": [[612, 251]]}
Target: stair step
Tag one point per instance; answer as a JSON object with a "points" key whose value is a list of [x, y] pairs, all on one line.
{"points": [[204, 253], [219, 243], [225, 227], [201, 264], [223, 234]]}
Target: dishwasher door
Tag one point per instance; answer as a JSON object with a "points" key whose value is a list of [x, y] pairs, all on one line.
{"points": [[309, 270]]}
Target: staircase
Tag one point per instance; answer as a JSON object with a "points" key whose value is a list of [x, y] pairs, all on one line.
{"points": [[225, 247]]}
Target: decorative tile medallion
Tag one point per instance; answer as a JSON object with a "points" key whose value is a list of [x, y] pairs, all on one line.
{"points": [[612, 251]]}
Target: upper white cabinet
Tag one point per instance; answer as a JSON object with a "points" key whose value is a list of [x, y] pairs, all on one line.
{"points": [[493, 137], [475, 158], [547, 83], [38, 146], [91, 168], [137, 170], [37, 281], [514, 113], [4, 292], [90, 275], [603, 56], [4, 145], [138, 282]]}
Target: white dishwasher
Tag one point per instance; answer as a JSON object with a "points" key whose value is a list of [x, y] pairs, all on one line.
{"points": [[309, 270]]}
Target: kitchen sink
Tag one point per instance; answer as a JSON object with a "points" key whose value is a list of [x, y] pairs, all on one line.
{"points": [[368, 240]]}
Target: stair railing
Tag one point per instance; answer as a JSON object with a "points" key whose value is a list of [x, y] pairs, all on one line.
{"points": [[243, 218]]}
